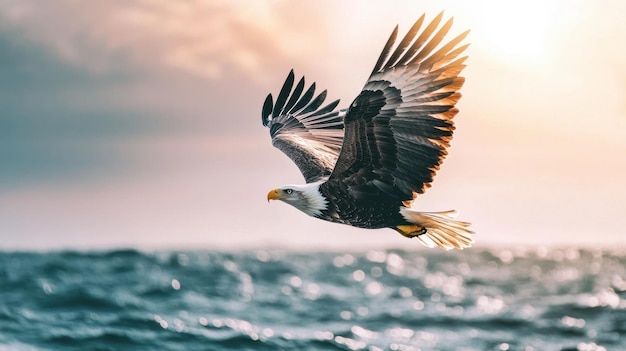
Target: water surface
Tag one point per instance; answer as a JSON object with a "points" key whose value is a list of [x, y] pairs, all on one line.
{"points": [[477, 299]]}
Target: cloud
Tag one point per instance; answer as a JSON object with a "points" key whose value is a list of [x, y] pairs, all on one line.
{"points": [[79, 92], [199, 37], [48, 133]]}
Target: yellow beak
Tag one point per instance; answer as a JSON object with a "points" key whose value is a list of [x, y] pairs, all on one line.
{"points": [[274, 195]]}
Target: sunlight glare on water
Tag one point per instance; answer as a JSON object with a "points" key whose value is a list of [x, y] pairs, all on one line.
{"points": [[472, 300]]}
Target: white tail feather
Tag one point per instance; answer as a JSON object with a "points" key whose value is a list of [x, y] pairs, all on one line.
{"points": [[441, 229]]}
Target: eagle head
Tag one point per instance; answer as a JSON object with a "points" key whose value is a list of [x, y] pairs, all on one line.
{"points": [[307, 198]]}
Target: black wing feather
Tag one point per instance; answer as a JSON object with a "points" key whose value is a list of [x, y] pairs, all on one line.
{"points": [[398, 129], [317, 102], [295, 95], [311, 136], [268, 105], [328, 108], [428, 31], [304, 100], [386, 49], [284, 93], [432, 44], [406, 41]]}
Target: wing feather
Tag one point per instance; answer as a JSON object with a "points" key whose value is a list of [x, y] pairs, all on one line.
{"points": [[310, 135], [428, 31], [406, 41], [386, 49], [428, 48], [282, 96], [317, 102], [295, 95], [304, 100], [326, 109], [398, 129], [268, 105]]}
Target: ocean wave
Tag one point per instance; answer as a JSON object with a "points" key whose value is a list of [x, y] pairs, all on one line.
{"points": [[490, 299]]}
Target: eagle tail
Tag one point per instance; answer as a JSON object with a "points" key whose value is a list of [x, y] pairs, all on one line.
{"points": [[436, 229]]}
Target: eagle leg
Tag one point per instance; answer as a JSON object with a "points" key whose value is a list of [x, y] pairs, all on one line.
{"points": [[410, 230]]}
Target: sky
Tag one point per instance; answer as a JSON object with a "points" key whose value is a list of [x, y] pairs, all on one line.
{"points": [[137, 123]]}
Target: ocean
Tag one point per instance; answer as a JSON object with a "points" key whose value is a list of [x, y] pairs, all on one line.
{"points": [[477, 299]]}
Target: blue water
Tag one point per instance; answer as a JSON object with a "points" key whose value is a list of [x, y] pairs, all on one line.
{"points": [[477, 299]]}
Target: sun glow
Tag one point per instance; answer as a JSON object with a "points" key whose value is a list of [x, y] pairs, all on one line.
{"points": [[516, 32]]}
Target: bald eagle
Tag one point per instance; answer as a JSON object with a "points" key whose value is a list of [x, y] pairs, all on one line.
{"points": [[364, 165]]}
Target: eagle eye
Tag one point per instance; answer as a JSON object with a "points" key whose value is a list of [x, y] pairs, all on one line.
{"points": [[289, 191]]}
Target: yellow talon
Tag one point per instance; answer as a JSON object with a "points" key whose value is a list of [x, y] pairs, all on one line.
{"points": [[410, 230]]}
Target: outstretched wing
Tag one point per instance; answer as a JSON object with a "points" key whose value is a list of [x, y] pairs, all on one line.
{"points": [[398, 128], [309, 134]]}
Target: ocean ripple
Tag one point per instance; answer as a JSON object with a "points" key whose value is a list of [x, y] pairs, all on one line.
{"points": [[489, 299]]}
